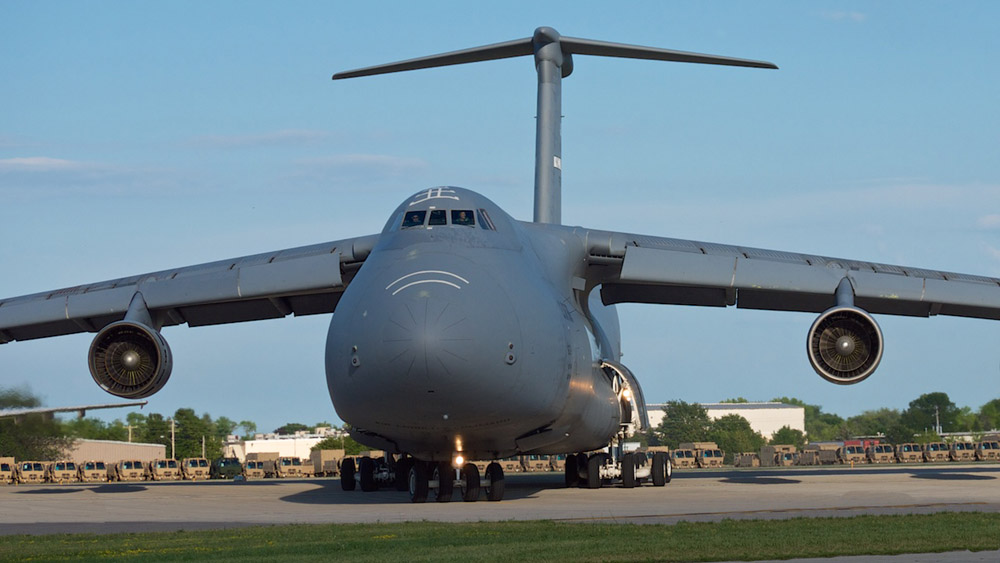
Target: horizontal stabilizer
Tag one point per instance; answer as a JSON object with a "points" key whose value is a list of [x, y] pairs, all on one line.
{"points": [[578, 46], [505, 50]]}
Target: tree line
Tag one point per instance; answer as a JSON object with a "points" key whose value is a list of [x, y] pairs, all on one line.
{"points": [[687, 422]]}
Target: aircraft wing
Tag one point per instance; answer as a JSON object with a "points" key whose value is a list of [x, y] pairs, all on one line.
{"points": [[643, 269], [301, 281], [81, 411]]}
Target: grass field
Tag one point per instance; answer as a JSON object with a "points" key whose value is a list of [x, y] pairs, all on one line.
{"points": [[538, 540]]}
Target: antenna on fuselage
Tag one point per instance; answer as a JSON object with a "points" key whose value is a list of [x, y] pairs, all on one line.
{"points": [[553, 62]]}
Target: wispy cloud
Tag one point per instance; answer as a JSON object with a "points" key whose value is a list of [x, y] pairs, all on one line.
{"points": [[990, 222], [284, 137], [43, 164]]}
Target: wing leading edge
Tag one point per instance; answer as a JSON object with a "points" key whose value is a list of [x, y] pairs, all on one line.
{"points": [[301, 281], [643, 269]]}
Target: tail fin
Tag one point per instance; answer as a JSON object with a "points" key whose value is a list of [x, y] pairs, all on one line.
{"points": [[553, 61]]}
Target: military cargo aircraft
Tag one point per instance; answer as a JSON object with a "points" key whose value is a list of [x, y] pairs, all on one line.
{"points": [[460, 333]]}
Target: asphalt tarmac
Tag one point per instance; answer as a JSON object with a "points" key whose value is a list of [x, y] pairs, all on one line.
{"points": [[693, 495]]}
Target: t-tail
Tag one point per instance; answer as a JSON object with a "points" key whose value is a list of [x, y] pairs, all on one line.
{"points": [[553, 62]]}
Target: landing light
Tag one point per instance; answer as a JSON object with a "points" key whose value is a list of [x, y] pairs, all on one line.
{"points": [[459, 460]]}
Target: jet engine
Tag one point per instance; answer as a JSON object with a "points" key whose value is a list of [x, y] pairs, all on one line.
{"points": [[845, 345], [130, 360]]}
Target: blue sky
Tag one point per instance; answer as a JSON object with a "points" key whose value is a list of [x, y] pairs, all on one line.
{"points": [[136, 137]]}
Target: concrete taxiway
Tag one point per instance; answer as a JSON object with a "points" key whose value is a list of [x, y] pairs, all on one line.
{"points": [[692, 496]]}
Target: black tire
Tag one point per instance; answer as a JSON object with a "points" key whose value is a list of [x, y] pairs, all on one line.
{"points": [[659, 469], [494, 491], [628, 470], [581, 469], [366, 474], [402, 473], [594, 464], [470, 480], [572, 476], [418, 481], [347, 474], [444, 474]]}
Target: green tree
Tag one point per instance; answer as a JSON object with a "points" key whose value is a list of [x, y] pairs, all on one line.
{"points": [[789, 435], [899, 433], [989, 415], [872, 423], [683, 422], [820, 426], [733, 435], [35, 437], [291, 428], [343, 442], [926, 409], [736, 400], [249, 428]]}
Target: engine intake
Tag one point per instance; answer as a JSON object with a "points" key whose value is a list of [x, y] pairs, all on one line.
{"points": [[130, 360], [845, 345]]}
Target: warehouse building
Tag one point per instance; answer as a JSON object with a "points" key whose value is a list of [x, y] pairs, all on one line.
{"points": [[111, 450], [766, 418]]}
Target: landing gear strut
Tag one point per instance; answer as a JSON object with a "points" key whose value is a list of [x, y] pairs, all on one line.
{"points": [[421, 478], [630, 469]]}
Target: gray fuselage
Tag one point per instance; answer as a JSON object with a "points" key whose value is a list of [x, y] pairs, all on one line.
{"points": [[463, 333]]}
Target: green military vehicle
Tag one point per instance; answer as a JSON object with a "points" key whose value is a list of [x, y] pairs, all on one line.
{"points": [[225, 468]]}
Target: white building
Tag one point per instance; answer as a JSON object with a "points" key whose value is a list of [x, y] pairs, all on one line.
{"points": [[297, 445], [766, 418]]}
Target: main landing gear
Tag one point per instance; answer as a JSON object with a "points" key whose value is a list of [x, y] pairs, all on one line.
{"points": [[631, 469], [439, 480]]}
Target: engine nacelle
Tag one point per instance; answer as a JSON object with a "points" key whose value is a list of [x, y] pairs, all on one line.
{"points": [[130, 360], [845, 345]]}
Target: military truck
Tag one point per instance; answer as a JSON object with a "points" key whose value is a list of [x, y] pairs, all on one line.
{"points": [[936, 452], [824, 453], [909, 453], [92, 472], [557, 463], [254, 469], [225, 468], [778, 455], [988, 450], [29, 472], [683, 458], [511, 464], [852, 454], [326, 463], [195, 468], [535, 462], [127, 470], [962, 451], [706, 454], [163, 470], [283, 467], [747, 459], [881, 453], [61, 471], [6, 470]]}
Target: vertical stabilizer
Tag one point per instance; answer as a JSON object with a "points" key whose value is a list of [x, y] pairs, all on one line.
{"points": [[553, 62]]}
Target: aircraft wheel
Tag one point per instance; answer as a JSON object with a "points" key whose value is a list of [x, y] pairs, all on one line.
{"points": [[494, 491], [470, 482], [444, 475], [418, 481], [403, 466], [347, 474], [572, 477], [659, 470], [628, 470], [366, 474], [670, 470], [594, 464]]}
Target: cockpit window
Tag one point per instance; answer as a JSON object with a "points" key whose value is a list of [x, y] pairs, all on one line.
{"points": [[413, 219], [462, 217], [484, 220], [438, 217]]}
